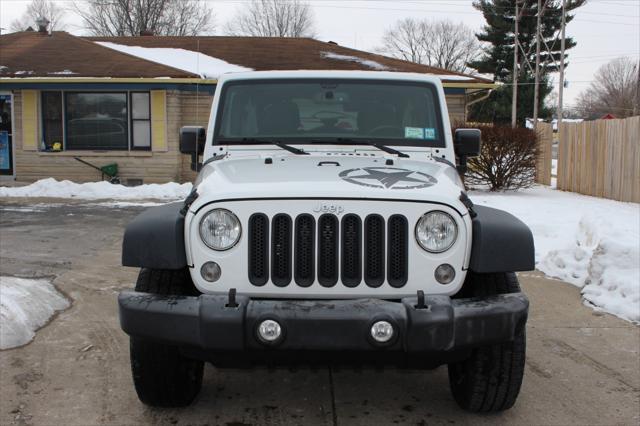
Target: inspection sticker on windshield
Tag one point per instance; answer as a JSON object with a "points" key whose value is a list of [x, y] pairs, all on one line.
{"points": [[429, 133], [414, 133]]}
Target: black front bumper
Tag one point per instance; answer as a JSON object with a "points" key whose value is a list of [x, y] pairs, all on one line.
{"points": [[207, 323]]}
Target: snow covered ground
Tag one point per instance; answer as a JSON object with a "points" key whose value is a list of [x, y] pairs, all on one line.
{"points": [[98, 190], [590, 242], [25, 306]]}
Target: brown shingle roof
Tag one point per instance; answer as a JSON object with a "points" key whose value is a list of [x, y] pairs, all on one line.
{"points": [[34, 54], [275, 53]]}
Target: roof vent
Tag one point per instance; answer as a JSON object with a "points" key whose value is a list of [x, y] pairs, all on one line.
{"points": [[42, 23], [332, 42]]}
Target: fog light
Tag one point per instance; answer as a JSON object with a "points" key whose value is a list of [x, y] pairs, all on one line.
{"points": [[382, 331], [269, 331], [445, 273], [211, 271]]}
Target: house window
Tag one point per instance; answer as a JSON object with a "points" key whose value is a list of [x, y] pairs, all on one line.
{"points": [[52, 119], [140, 120], [96, 121]]}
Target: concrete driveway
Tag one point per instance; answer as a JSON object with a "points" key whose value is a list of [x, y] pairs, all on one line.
{"points": [[583, 367]]}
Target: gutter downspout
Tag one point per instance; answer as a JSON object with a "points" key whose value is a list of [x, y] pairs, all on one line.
{"points": [[475, 101]]}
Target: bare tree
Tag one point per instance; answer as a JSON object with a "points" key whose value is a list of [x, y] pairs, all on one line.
{"points": [[405, 40], [613, 90], [273, 18], [40, 9], [443, 44], [135, 17]]}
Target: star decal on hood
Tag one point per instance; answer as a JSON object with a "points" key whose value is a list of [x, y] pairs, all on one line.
{"points": [[388, 177]]}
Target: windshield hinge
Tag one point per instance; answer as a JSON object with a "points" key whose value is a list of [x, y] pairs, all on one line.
{"points": [[193, 195], [467, 203]]}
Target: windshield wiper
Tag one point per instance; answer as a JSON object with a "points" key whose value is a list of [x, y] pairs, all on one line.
{"points": [[277, 143], [374, 144]]}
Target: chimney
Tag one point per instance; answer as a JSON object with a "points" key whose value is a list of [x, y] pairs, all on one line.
{"points": [[146, 33], [42, 23]]}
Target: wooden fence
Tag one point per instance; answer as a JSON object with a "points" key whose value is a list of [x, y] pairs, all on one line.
{"points": [[545, 142], [601, 158]]}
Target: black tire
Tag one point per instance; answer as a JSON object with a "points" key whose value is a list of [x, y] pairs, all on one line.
{"points": [[162, 376], [490, 379]]}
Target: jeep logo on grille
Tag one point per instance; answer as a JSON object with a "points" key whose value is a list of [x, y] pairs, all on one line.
{"points": [[388, 177], [328, 208]]}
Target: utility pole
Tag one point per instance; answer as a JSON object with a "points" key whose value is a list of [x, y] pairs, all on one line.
{"points": [[514, 96], [636, 105], [561, 87], [537, 73]]}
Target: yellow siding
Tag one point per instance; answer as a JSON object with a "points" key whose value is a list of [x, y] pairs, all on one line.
{"points": [[159, 120], [29, 120]]}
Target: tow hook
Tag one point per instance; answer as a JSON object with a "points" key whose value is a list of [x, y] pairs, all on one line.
{"points": [[421, 304], [232, 299]]}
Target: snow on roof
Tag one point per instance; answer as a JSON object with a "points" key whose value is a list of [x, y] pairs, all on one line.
{"points": [[366, 62], [186, 60], [63, 72], [380, 67], [452, 77]]}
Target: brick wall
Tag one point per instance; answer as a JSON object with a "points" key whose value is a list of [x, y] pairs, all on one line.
{"points": [[194, 111], [150, 166]]}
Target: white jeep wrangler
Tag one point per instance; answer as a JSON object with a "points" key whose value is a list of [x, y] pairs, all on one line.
{"points": [[328, 225]]}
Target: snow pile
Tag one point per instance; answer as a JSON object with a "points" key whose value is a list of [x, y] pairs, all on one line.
{"points": [[186, 60], [366, 62], [590, 242], [25, 306], [98, 190]]}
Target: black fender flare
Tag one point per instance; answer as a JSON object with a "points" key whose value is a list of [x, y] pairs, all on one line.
{"points": [[500, 242], [155, 239]]}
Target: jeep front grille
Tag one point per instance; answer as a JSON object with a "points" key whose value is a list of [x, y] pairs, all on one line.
{"points": [[328, 251]]}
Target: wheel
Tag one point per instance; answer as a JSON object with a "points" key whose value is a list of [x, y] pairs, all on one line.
{"points": [[489, 380], [162, 376]]}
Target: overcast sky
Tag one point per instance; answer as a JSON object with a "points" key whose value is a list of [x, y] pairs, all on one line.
{"points": [[603, 29]]}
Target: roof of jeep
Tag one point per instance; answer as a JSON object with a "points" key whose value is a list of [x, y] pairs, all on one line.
{"points": [[312, 74]]}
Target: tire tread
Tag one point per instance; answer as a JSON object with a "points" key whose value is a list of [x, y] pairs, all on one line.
{"points": [[162, 376], [490, 379]]}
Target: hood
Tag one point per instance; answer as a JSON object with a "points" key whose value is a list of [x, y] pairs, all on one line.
{"points": [[329, 175]]}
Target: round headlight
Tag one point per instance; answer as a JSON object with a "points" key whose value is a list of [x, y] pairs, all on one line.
{"points": [[436, 231], [220, 229]]}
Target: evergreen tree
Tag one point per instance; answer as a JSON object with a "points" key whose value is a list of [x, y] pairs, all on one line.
{"points": [[497, 58]]}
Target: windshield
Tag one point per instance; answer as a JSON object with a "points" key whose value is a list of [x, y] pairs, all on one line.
{"points": [[316, 111]]}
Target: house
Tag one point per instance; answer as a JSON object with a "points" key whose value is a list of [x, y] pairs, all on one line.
{"points": [[123, 99], [608, 116]]}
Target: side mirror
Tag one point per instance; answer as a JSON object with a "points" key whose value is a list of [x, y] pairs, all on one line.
{"points": [[466, 143], [192, 139]]}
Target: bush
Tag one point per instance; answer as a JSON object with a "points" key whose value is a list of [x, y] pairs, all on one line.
{"points": [[507, 160]]}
